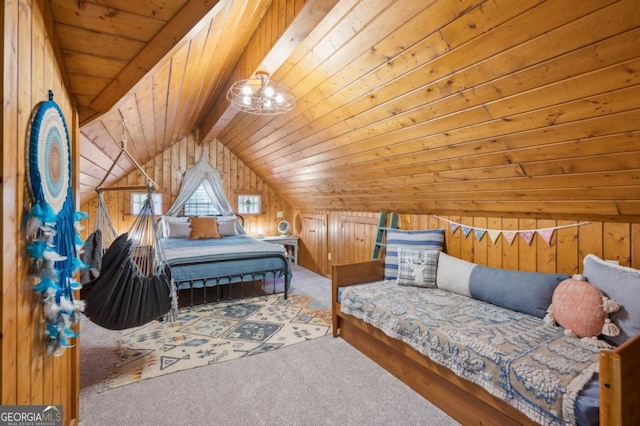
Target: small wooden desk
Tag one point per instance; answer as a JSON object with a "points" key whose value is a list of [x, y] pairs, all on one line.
{"points": [[290, 243]]}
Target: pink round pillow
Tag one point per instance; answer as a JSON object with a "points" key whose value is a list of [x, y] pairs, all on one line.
{"points": [[578, 306]]}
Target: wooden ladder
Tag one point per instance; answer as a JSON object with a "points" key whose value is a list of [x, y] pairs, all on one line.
{"points": [[382, 232]]}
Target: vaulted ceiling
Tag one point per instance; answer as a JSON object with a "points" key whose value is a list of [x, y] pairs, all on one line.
{"points": [[483, 107]]}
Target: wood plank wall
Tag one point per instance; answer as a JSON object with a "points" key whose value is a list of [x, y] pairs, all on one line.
{"points": [[167, 170], [351, 236], [31, 67]]}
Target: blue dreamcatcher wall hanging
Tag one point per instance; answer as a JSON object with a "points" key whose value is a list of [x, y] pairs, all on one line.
{"points": [[52, 225]]}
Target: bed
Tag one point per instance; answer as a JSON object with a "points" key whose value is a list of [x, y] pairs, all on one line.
{"points": [[464, 400], [224, 266]]}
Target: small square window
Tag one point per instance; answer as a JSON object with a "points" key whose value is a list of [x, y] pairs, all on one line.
{"points": [[138, 199], [249, 204]]}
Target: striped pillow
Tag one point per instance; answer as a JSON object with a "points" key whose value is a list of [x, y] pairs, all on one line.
{"points": [[432, 239]]}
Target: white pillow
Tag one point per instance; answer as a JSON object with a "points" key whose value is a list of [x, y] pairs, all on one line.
{"points": [[454, 274], [176, 226], [227, 227]]}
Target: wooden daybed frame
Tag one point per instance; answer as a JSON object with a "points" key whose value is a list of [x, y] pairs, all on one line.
{"points": [[467, 402]]}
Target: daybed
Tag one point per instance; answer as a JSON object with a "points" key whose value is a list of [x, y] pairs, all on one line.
{"points": [[371, 323], [219, 254]]}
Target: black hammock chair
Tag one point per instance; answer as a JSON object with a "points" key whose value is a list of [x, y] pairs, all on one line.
{"points": [[134, 286], [128, 284]]}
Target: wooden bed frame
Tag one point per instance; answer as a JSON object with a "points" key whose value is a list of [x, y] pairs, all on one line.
{"points": [[467, 402]]}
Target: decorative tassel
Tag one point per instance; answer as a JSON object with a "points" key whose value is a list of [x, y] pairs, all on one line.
{"points": [[570, 333], [579, 277], [549, 319], [610, 305], [609, 328]]}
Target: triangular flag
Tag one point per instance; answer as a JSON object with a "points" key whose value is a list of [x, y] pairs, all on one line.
{"points": [[480, 233], [527, 236], [454, 227], [493, 234], [466, 230], [509, 236], [546, 234]]}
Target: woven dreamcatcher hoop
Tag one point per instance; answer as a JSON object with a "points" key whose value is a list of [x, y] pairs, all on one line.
{"points": [[52, 227]]}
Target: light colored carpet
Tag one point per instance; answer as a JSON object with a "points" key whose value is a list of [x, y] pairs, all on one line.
{"points": [[324, 381], [210, 334]]}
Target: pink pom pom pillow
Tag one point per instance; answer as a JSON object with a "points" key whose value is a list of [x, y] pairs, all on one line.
{"points": [[577, 306]]}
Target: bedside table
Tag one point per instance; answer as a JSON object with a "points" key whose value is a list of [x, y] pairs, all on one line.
{"points": [[290, 242]]}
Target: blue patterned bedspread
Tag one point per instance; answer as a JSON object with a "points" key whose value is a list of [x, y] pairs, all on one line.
{"points": [[514, 356]]}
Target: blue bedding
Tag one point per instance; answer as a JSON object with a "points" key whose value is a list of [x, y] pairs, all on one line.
{"points": [[212, 262], [551, 378]]}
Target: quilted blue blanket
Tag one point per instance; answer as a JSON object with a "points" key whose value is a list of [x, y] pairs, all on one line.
{"points": [[514, 356]]}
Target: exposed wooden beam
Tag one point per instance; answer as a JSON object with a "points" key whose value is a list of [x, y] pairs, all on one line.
{"points": [[184, 22], [305, 21]]}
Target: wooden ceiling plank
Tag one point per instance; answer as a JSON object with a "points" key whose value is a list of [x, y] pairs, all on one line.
{"points": [[86, 85], [92, 65], [136, 143], [230, 47], [413, 40], [629, 178], [90, 42], [402, 193], [109, 20], [623, 73], [144, 97], [611, 102], [368, 102], [147, 58], [163, 10], [607, 124], [354, 124], [288, 35], [223, 49], [175, 84], [339, 37], [473, 155], [160, 101]]}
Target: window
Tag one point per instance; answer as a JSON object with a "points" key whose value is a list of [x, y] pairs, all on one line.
{"points": [[138, 199], [199, 204], [249, 204]]}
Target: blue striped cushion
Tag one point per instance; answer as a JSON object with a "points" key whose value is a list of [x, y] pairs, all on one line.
{"points": [[432, 239]]}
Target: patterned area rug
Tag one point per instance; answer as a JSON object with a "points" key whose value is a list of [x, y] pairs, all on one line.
{"points": [[211, 334]]}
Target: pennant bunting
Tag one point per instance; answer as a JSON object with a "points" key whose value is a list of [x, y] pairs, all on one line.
{"points": [[494, 234], [509, 236], [546, 235], [527, 236]]}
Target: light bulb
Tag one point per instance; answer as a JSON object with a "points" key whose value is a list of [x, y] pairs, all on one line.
{"points": [[279, 98], [267, 103], [246, 100], [268, 91], [246, 90]]}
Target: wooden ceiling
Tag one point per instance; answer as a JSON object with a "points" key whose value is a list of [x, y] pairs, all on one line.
{"points": [[476, 107]]}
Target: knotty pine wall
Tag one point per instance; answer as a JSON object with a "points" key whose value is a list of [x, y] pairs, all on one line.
{"points": [[351, 235], [167, 170], [31, 67]]}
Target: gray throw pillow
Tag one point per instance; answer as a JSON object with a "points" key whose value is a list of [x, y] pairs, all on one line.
{"points": [[621, 284], [417, 267]]}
